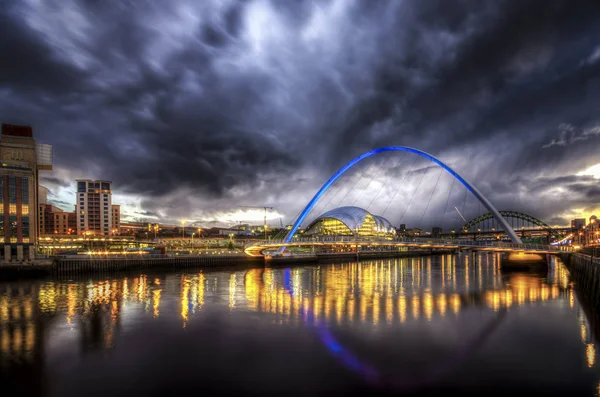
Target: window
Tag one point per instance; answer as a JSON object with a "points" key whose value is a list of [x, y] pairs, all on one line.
{"points": [[81, 188]]}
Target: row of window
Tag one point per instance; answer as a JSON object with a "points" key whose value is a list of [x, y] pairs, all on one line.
{"points": [[83, 186], [12, 230]]}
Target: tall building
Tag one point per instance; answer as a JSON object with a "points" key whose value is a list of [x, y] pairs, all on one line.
{"points": [[21, 160], [93, 207], [116, 219]]}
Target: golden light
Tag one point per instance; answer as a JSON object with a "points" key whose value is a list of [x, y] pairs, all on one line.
{"points": [[590, 354]]}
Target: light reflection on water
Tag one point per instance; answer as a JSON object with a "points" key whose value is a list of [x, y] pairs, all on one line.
{"points": [[351, 298]]}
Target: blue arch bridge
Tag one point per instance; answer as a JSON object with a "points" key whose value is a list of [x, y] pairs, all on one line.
{"points": [[357, 243]]}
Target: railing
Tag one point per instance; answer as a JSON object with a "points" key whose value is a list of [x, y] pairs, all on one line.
{"points": [[171, 255], [418, 241]]}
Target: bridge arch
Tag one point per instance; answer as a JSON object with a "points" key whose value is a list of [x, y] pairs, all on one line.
{"points": [[496, 214], [507, 214]]}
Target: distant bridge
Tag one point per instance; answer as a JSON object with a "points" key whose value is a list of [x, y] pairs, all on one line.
{"points": [[526, 221], [332, 243]]}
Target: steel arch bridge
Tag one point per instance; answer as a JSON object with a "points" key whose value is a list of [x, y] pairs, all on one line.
{"points": [[486, 203], [508, 215]]}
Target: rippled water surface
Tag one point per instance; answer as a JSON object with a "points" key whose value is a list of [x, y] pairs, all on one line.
{"points": [[423, 325]]}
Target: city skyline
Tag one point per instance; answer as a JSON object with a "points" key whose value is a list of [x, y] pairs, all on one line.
{"points": [[198, 109]]}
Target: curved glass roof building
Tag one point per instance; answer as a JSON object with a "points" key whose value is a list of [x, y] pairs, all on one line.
{"points": [[351, 221]]}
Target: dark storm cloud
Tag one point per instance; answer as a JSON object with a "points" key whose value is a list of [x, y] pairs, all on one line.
{"points": [[231, 102], [29, 65]]}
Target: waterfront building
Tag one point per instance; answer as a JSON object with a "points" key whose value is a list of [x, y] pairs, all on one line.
{"points": [[415, 231], [350, 221], [591, 233], [53, 220], [21, 160], [116, 219], [93, 207]]}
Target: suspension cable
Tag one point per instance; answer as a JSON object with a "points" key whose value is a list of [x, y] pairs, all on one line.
{"points": [[448, 200], [415, 191], [431, 196], [463, 206], [385, 183], [368, 184], [332, 197], [400, 184], [351, 189]]}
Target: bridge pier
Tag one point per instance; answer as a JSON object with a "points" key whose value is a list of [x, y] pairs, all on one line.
{"points": [[519, 261]]}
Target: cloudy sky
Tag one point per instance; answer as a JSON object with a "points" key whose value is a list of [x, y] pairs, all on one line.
{"points": [[195, 108]]}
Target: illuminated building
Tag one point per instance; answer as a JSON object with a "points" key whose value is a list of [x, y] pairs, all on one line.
{"points": [[93, 207], [53, 220], [591, 233], [116, 218], [21, 160], [351, 221]]}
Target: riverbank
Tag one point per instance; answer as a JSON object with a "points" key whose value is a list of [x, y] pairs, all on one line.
{"points": [[585, 271]]}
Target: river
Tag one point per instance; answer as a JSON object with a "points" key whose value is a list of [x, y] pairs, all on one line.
{"points": [[430, 325]]}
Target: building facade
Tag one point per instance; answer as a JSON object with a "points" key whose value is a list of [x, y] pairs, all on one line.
{"points": [[21, 160], [590, 234], [93, 207], [351, 221], [53, 221], [116, 219]]}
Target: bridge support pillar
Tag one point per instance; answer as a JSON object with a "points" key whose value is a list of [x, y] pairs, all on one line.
{"points": [[520, 261]]}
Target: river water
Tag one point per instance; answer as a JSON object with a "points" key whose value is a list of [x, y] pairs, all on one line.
{"points": [[430, 325]]}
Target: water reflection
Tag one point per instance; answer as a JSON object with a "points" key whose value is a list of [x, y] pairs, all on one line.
{"points": [[377, 294]]}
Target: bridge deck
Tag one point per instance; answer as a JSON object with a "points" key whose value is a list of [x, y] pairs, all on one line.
{"points": [[257, 248]]}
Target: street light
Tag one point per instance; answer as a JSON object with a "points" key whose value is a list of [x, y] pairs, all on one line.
{"points": [[183, 229], [193, 234]]}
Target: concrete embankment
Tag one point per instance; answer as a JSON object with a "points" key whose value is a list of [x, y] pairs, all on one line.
{"points": [[585, 271], [38, 268], [67, 267]]}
